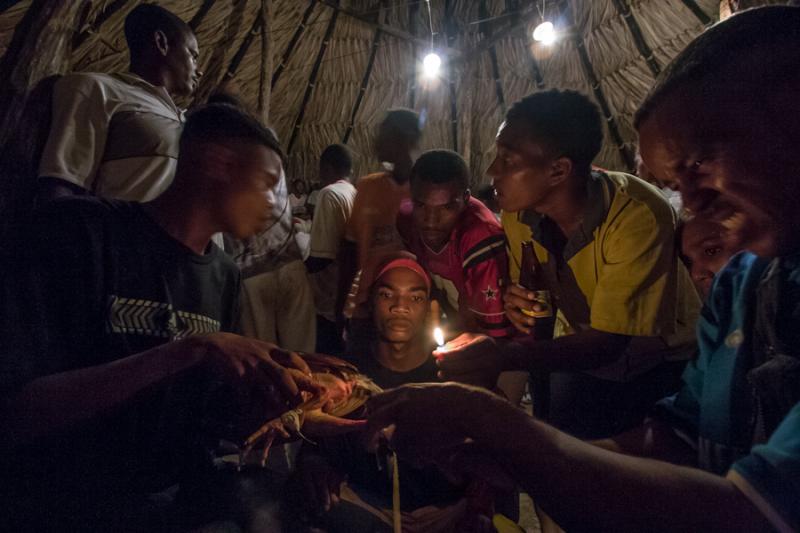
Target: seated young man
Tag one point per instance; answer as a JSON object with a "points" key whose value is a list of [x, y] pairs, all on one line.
{"points": [[121, 331], [399, 353], [722, 121], [704, 251]]}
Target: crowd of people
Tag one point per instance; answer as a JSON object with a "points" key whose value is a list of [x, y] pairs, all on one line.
{"points": [[164, 299]]}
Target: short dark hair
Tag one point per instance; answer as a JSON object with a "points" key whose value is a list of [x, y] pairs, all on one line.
{"points": [[146, 19], [764, 28], [224, 123], [404, 122], [339, 158], [567, 121], [441, 166]]}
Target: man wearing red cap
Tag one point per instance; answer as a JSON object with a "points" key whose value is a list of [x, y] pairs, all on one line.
{"points": [[400, 345], [398, 352]]}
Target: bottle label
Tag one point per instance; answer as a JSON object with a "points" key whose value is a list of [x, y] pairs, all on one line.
{"points": [[542, 299]]}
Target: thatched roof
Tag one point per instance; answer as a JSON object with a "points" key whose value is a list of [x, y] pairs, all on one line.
{"points": [[609, 49]]}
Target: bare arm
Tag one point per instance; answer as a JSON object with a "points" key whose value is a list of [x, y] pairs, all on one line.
{"points": [[470, 358], [583, 487], [50, 404], [653, 439], [53, 403], [584, 350]]}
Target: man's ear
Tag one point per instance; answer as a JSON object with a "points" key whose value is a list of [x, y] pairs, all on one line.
{"points": [[561, 169], [162, 43]]}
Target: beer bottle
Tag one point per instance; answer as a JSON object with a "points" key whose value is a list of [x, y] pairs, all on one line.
{"points": [[531, 277]]}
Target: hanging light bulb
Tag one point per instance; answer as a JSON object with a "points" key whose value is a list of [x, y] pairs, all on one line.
{"points": [[545, 33], [431, 64]]}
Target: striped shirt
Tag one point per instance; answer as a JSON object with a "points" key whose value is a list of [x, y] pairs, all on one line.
{"points": [[115, 135]]}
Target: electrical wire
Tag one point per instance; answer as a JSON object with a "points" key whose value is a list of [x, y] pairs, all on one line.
{"points": [[430, 21]]}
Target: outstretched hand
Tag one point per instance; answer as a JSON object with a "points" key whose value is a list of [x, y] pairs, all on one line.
{"points": [[471, 358], [422, 420], [254, 368], [456, 427]]}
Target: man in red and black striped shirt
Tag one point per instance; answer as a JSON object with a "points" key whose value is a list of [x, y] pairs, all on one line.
{"points": [[459, 241]]}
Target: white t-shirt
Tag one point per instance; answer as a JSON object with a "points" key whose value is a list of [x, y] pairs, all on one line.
{"points": [[333, 209], [115, 135]]}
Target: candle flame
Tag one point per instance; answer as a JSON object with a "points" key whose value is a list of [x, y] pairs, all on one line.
{"points": [[438, 336]]}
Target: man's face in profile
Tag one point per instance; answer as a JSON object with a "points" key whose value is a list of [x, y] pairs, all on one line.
{"points": [[182, 61]]}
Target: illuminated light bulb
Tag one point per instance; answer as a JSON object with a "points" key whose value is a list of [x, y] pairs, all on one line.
{"points": [[431, 64], [438, 336], [545, 33]]}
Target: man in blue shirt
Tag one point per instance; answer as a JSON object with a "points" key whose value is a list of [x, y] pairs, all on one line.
{"points": [[722, 122]]}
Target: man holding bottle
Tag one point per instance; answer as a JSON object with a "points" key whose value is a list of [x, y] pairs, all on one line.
{"points": [[605, 247]]}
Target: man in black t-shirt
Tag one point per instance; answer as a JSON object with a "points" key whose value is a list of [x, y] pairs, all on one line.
{"points": [[123, 326]]}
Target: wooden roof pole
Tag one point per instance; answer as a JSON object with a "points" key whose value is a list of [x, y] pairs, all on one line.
{"points": [[5, 5], [367, 73], [636, 32], [483, 13], [312, 80], [364, 82], [198, 17], [293, 42], [243, 48], [413, 10], [264, 84], [451, 73], [627, 158], [697, 12], [214, 70]]}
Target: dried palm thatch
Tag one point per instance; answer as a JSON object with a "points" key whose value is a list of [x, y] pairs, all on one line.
{"points": [[325, 71]]}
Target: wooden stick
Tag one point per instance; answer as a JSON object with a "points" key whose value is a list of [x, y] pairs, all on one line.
{"points": [[397, 519], [265, 72]]}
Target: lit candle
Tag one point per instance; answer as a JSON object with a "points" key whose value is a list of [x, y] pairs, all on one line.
{"points": [[438, 334], [438, 337]]}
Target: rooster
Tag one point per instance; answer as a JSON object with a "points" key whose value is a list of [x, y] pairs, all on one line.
{"points": [[346, 390]]}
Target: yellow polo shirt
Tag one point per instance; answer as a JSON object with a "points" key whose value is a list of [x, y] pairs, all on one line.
{"points": [[625, 264]]}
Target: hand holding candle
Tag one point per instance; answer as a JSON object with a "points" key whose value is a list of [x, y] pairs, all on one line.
{"points": [[470, 358]]}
